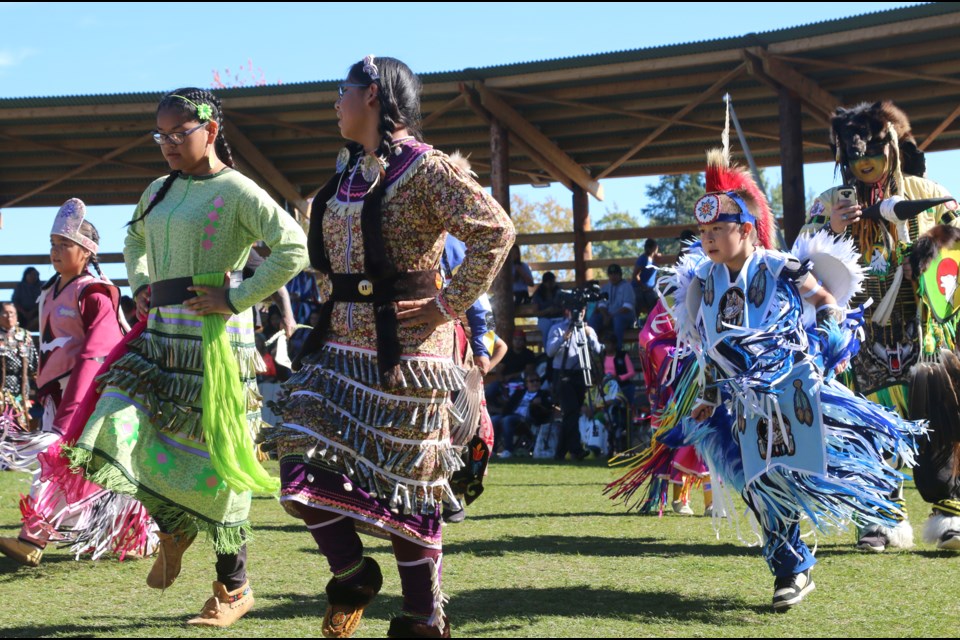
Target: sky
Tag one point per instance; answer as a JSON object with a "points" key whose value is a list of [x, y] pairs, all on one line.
{"points": [[59, 49]]}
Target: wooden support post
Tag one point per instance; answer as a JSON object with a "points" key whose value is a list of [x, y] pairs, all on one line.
{"points": [[502, 291], [791, 165], [582, 249]]}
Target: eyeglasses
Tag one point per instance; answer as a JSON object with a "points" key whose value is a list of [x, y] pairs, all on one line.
{"points": [[343, 87], [175, 138]]}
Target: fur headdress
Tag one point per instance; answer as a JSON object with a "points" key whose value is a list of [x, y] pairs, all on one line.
{"points": [[866, 128], [733, 196]]}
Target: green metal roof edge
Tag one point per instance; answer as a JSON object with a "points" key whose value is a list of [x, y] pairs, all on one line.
{"points": [[479, 73]]}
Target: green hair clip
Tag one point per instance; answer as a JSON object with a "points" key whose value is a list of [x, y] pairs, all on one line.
{"points": [[204, 111]]}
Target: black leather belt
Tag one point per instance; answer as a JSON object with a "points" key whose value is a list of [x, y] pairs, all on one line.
{"points": [[165, 293], [359, 287]]}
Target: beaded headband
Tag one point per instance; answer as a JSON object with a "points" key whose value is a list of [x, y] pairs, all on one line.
{"points": [[707, 210], [68, 221], [204, 111]]}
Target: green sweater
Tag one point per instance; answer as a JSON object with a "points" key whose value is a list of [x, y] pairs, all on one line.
{"points": [[207, 224]]}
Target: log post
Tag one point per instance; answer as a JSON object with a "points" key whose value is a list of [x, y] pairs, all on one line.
{"points": [[582, 249], [502, 291], [791, 165]]}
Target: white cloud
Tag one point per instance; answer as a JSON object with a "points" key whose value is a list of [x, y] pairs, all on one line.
{"points": [[10, 59]]}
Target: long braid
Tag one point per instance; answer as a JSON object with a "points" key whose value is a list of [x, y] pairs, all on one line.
{"points": [[159, 195], [88, 230]]}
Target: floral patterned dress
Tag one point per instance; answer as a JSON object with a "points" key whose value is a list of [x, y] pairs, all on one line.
{"points": [[347, 443]]}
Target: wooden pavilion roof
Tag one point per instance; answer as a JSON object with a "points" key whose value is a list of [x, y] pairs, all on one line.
{"points": [[573, 120]]}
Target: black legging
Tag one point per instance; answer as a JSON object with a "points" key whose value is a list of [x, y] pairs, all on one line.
{"points": [[231, 567]]}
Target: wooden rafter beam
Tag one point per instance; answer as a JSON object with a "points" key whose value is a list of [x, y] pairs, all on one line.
{"points": [[847, 66], [777, 73], [76, 154], [637, 115], [540, 143], [239, 116], [940, 129], [473, 102], [81, 169], [679, 115], [435, 115], [264, 167]]}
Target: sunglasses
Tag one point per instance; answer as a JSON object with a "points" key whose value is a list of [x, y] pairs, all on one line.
{"points": [[342, 89]]}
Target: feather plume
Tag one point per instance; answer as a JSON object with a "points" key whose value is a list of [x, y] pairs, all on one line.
{"points": [[722, 177]]}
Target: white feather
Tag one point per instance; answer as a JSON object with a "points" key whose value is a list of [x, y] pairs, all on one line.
{"points": [[680, 279], [835, 262]]}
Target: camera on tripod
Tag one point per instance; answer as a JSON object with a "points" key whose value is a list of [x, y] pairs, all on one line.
{"points": [[576, 299]]}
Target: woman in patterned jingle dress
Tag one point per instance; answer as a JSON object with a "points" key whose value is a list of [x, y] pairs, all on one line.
{"points": [[364, 443]]}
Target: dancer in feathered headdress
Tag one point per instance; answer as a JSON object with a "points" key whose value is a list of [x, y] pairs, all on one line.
{"points": [[885, 205], [768, 416]]}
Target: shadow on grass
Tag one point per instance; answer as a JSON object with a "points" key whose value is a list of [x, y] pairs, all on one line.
{"points": [[586, 601], [594, 546], [526, 515], [101, 625]]}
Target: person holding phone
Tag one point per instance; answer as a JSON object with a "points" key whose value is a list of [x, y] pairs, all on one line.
{"points": [[879, 161]]}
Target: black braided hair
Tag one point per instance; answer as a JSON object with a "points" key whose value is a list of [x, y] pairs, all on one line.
{"points": [[399, 98], [89, 231], [174, 101]]}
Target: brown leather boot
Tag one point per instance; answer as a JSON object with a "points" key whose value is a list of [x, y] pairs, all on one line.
{"points": [[345, 603], [225, 607], [170, 552]]}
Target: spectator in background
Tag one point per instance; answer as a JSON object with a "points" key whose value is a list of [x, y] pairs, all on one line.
{"points": [[618, 364], [18, 365], [129, 308], [304, 295], [529, 405], [517, 359], [549, 305], [645, 277], [569, 387], [618, 312], [26, 297], [522, 277]]}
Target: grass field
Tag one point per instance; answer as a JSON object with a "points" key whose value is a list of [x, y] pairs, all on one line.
{"points": [[542, 553]]}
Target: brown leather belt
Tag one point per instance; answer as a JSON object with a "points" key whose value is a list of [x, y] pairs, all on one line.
{"points": [[165, 293], [412, 285]]}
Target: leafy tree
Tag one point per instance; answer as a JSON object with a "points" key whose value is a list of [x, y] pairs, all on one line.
{"points": [[547, 216], [671, 201], [609, 249]]}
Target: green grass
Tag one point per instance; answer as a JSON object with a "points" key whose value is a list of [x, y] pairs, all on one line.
{"points": [[542, 553]]}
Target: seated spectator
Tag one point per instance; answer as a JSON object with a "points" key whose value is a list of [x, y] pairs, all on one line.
{"points": [[517, 359], [304, 295], [645, 277], [549, 307], [522, 277], [618, 364], [593, 430], [618, 311], [529, 406], [129, 308], [26, 297]]}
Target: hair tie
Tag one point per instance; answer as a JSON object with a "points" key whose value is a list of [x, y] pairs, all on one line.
{"points": [[370, 68]]}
